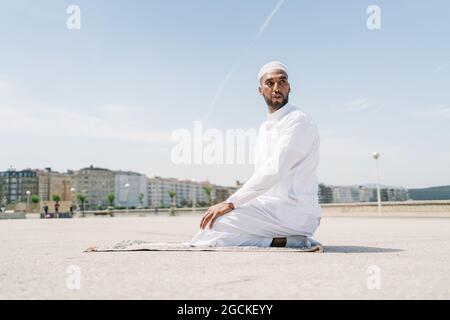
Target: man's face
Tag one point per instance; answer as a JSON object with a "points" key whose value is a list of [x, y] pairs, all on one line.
{"points": [[275, 88]]}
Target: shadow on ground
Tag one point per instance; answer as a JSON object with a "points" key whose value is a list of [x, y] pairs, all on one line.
{"points": [[358, 249]]}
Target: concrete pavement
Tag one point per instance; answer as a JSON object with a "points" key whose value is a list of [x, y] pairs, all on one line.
{"points": [[365, 258]]}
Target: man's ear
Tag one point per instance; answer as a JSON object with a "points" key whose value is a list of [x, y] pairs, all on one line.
{"points": [[259, 89]]}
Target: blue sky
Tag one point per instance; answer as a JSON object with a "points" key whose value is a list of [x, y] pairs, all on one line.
{"points": [[111, 93]]}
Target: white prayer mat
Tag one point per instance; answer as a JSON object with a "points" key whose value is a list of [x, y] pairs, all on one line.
{"points": [[138, 245]]}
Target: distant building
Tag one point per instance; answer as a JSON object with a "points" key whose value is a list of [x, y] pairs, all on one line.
{"points": [[136, 190], [367, 194], [131, 189], [15, 184], [222, 193], [345, 194], [359, 193], [187, 192], [325, 193], [54, 183], [393, 194], [96, 184]]}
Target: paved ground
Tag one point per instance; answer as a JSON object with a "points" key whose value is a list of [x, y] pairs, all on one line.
{"points": [[406, 257]]}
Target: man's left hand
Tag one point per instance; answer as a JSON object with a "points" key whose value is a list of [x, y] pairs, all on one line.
{"points": [[214, 212]]}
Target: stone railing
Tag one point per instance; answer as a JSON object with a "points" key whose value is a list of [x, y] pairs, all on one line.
{"points": [[434, 208]]}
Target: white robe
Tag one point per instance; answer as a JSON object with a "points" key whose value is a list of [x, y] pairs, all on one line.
{"points": [[281, 198]]}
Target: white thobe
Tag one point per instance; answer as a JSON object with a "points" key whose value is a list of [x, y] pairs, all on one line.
{"points": [[281, 198]]}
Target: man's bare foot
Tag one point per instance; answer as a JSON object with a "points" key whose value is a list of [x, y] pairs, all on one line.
{"points": [[278, 242]]}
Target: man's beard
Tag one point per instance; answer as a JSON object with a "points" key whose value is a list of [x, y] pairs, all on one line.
{"points": [[277, 105]]}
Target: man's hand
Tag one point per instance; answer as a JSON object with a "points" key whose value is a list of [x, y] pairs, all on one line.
{"points": [[214, 212]]}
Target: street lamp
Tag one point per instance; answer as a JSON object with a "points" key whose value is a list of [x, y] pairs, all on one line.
{"points": [[376, 155], [28, 200], [194, 195], [4, 201], [127, 186]]}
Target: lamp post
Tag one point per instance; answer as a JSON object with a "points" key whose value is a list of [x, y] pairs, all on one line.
{"points": [[4, 201], [194, 195], [28, 200], [127, 186], [376, 155]]}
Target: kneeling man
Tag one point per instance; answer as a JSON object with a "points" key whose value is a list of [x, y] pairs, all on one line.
{"points": [[278, 206]]}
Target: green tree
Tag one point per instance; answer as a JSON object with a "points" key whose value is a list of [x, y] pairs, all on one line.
{"points": [[141, 199], [111, 197], [34, 200], [56, 198], [172, 194], [82, 199], [207, 190]]}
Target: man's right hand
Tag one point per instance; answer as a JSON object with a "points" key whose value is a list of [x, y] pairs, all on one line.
{"points": [[214, 212]]}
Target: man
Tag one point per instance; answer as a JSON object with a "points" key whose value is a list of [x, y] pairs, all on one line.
{"points": [[278, 206], [46, 211], [57, 210]]}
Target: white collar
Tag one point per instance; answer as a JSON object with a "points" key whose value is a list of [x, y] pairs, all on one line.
{"points": [[280, 113]]}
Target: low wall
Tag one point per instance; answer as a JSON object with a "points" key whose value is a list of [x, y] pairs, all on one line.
{"points": [[12, 215], [434, 208]]}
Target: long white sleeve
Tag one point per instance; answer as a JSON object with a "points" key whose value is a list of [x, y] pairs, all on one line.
{"points": [[294, 144]]}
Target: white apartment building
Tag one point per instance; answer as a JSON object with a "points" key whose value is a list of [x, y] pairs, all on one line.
{"points": [[131, 189]]}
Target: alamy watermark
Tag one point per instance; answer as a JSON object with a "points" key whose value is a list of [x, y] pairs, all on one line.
{"points": [[73, 281], [229, 146], [373, 281], [374, 20], [213, 146], [73, 22]]}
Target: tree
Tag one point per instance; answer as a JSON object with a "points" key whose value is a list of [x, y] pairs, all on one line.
{"points": [[82, 199], [56, 198], [207, 190], [141, 202], [111, 197], [141, 199], [34, 200], [172, 195]]}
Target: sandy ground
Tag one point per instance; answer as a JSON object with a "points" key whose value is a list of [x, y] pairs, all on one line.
{"points": [[366, 258]]}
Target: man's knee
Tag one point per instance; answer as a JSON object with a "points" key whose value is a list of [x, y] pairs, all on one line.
{"points": [[219, 224], [226, 223]]}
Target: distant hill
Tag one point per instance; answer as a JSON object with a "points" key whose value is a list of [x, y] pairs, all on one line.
{"points": [[433, 193]]}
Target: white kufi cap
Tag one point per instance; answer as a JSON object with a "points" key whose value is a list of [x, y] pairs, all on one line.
{"points": [[274, 65]]}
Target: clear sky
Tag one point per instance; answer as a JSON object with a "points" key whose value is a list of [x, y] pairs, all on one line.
{"points": [[111, 93]]}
